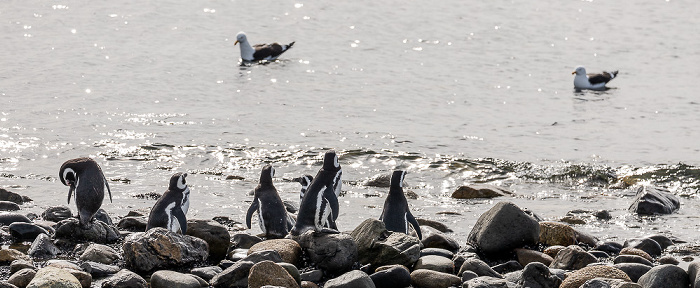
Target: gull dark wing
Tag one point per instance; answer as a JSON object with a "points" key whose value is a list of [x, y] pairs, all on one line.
{"points": [[604, 77]]}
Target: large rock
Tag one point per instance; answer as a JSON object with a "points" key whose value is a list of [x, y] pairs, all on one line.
{"points": [[648, 245], [57, 213], [99, 253], [526, 256], [352, 279], [693, 272], [379, 247], [43, 247], [7, 218], [432, 238], [556, 233], [172, 279], [435, 263], [537, 275], [572, 258], [664, 276], [98, 232], [331, 252], [393, 277], [479, 191], [125, 279], [159, 249], [268, 273], [423, 278], [13, 197], [22, 231], [236, 275], [22, 277], [215, 234], [504, 228], [577, 278], [289, 249], [633, 270], [8, 206], [654, 200], [54, 277]]}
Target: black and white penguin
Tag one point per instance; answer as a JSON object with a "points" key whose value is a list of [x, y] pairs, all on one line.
{"points": [[273, 218], [593, 81], [396, 215], [87, 181], [259, 52], [170, 209], [319, 206], [305, 181]]}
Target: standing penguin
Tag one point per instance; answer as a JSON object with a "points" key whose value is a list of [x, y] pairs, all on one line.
{"points": [[170, 210], [319, 206], [273, 218], [87, 181], [396, 215], [305, 181]]}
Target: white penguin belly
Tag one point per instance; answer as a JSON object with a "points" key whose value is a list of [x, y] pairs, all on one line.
{"points": [[260, 217]]}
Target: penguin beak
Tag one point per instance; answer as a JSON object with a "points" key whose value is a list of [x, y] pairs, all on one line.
{"points": [[234, 43]]}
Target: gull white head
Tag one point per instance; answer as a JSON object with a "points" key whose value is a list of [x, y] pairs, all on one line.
{"points": [[579, 71], [241, 38]]}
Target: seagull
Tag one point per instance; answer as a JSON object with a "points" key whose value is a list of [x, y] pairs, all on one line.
{"points": [[259, 52], [592, 81]]}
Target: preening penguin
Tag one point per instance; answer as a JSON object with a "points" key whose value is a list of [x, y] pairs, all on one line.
{"points": [[170, 210], [396, 214], [273, 218], [319, 206], [87, 182], [305, 181]]}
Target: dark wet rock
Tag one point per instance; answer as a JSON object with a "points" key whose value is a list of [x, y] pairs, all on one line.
{"points": [[437, 251], [632, 259], [8, 206], [586, 238], [13, 197], [8, 255], [394, 277], [98, 232], [654, 200], [22, 277], [536, 275], [237, 274], [635, 251], [633, 270], [351, 279], [99, 253], [134, 213], [237, 254], [434, 224], [54, 277], [436, 239], [43, 247], [577, 278], [668, 259], [287, 248], [160, 249], [244, 241], [7, 218], [19, 265], [214, 234], [527, 256], [98, 269], [609, 247], [125, 279], [432, 279], [572, 220], [602, 215], [556, 233], [662, 240], [314, 275], [207, 273], [503, 228], [572, 258], [57, 213], [460, 257], [435, 263], [133, 223], [693, 272], [379, 247], [664, 276], [335, 253], [468, 275], [171, 279], [645, 244], [486, 282], [609, 283], [102, 215], [22, 231], [480, 191], [379, 180], [269, 273], [479, 267], [510, 266], [599, 254]]}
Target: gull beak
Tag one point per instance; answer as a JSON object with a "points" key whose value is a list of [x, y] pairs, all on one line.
{"points": [[572, 73], [234, 43]]}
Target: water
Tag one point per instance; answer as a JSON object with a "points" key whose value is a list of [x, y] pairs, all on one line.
{"points": [[455, 92]]}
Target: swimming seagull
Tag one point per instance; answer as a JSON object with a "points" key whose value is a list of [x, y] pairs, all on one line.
{"points": [[592, 81], [258, 52]]}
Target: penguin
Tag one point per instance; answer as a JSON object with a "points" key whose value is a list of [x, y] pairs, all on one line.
{"points": [[319, 206], [273, 218], [259, 52], [396, 215], [305, 181], [87, 182], [170, 209]]}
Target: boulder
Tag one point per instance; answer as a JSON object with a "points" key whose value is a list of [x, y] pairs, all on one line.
{"points": [[480, 191], [125, 279], [268, 273], [133, 223], [43, 247], [479, 267], [172, 279], [556, 233], [335, 253], [648, 245], [8, 206], [13, 197], [215, 234], [22, 277], [289, 249], [98, 232], [379, 247], [54, 277], [436, 239], [435, 263], [160, 249], [99, 253], [653, 201], [22, 231], [662, 240], [504, 228], [577, 278], [7, 218], [572, 258], [57, 213], [423, 278], [393, 277], [664, 276]]}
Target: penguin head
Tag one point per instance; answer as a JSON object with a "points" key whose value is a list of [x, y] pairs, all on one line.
{"points": [[305, 180], [330, 161], [267, 173], [178, 182], [72, 168], [397, 178]]}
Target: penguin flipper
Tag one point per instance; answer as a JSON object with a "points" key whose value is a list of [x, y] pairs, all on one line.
{"points": [[333, 202], [414, 223], [108, 191], [180, 216], [253, 207], [70, 191]]}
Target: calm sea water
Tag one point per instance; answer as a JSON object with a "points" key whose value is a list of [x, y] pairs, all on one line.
{"points": [[453, 91]]}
